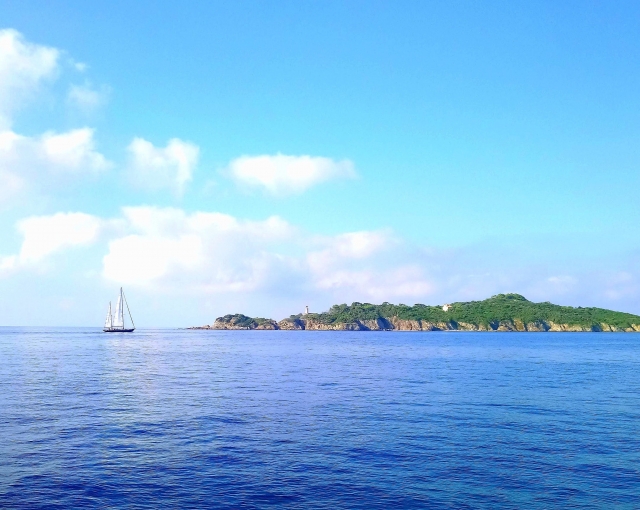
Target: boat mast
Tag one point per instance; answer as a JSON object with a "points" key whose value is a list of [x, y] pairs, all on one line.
{"points": [[109, 321], [130, 316], [121, 311]]}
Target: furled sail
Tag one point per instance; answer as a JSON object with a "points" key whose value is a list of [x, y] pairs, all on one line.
{"points": [[118, 318], [108, 323]]}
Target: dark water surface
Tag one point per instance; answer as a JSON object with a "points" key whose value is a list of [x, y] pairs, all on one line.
{"points": [[205, 419]]}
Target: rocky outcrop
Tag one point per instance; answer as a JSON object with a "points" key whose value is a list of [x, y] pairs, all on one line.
{"points": [[291, 324], [537, 326], [568, 327], [405, 324], [379, 324], [269, 324], [240, 321]]}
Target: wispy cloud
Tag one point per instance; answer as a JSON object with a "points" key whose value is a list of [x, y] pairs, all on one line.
{"points": [[87, 98]]}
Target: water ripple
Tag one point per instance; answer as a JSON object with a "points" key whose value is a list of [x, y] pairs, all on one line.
{"points": [[206, 419]]}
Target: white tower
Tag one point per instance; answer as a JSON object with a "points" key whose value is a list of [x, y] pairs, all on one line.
{"points": [[306, 310]]}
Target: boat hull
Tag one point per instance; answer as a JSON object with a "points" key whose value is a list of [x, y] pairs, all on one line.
{"points": [[113, 330]]}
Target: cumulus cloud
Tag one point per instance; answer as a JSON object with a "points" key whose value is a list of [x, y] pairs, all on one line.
{"points": [[168, 248], [170, 167], [23, 67], [71, 151], [270, 261], [285, 175], [44, 236], [39, 160]]}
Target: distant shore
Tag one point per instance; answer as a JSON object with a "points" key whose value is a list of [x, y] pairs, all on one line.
{"points": [[504, 312]]}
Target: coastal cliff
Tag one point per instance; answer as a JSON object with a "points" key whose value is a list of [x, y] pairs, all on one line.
{"points": [[504, 312]]}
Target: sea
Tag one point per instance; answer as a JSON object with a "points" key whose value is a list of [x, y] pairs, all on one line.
{"points": [[168, 418]]}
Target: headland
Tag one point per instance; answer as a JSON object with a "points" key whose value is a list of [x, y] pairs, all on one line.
{"points": [[503, 312]]}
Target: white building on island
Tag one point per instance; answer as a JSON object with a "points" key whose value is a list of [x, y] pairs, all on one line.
{"points": [[446, 308], [306, 310]]}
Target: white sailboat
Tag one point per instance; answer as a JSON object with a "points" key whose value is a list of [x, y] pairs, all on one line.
{"points": [[115, 321]]}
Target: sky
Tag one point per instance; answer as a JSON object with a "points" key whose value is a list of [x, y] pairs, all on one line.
{"points": [[256, 157]]}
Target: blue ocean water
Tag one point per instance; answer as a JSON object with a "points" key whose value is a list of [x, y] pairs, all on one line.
{"points": [[215, 419]]}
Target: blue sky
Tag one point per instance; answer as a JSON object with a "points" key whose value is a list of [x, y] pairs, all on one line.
{"points": [[217, 157]]}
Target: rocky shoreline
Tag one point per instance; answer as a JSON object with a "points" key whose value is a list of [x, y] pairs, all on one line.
{"points": [[396, 324]]}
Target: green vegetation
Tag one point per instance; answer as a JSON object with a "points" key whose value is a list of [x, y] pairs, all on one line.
{"points": [[242, 321], [504, 312], [503, 307]]}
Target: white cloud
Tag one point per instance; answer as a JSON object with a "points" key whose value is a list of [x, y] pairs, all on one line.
{"points": [[23, 67], [337, 250], [352, 245], [44, 236], [171, 167], [285, 175], [159, 250], [10, 185], [168, 249], [38, 161], [562, 283], [7, 264], [86, 98], [375, 284], [366, 265], [139, 260], [72, 151], [212, 252], [81, 67]]}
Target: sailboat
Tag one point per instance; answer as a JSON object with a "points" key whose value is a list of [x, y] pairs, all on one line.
{"points": [[115, 321]]}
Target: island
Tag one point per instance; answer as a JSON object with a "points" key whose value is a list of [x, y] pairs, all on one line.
{"points": [[504, 312]]}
